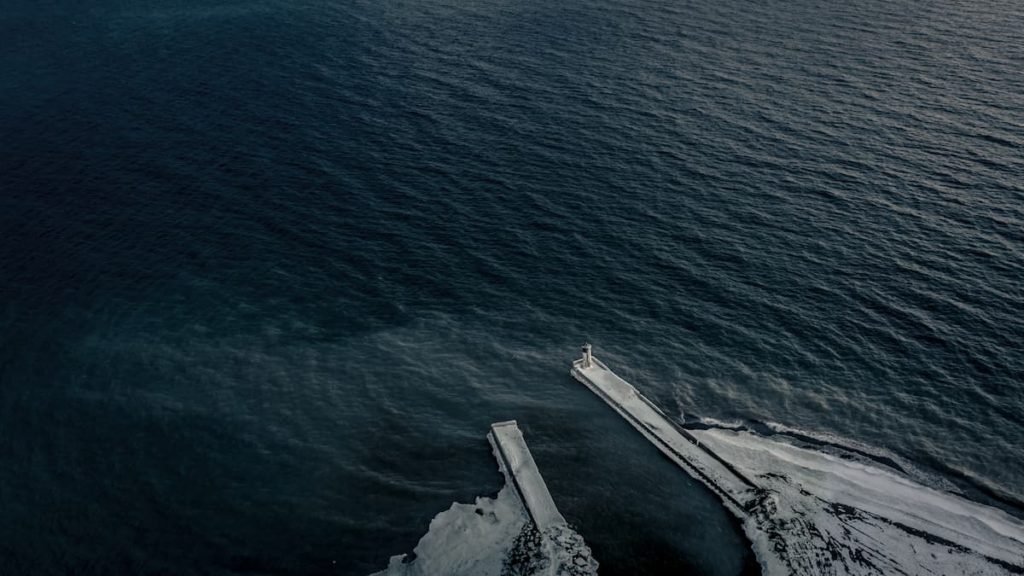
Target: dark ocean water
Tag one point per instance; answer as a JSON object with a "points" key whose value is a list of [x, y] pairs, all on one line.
{"points": [[269, 269]]}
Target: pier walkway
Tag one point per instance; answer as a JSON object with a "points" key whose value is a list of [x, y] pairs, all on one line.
{"points": [[738, 492], [517, 464]]}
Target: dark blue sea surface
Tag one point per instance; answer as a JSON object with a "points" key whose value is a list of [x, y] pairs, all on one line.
{"points": [[269, 269]]}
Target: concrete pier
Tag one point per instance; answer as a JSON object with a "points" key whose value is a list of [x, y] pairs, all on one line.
{"points": [[738, 492], [521, 471]]}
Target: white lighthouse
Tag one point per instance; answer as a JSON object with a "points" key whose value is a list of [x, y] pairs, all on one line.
{"points": [[588, 356]]}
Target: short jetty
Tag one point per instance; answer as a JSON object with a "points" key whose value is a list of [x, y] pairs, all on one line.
{"points": [[521, 471], [737, 492]]}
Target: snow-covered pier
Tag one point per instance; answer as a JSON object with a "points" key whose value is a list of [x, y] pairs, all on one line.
{"points": [[521, 471], [737, 492]]}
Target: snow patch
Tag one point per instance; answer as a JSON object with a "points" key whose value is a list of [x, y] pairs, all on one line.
{"points": [[494, 537], [467, 539], [501, 536], [824, 514]]}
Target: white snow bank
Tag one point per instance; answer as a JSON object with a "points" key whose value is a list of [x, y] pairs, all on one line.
{"points": [[467, 539], [832, 515], [501, 536]]}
